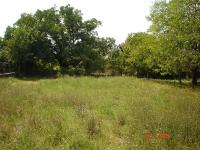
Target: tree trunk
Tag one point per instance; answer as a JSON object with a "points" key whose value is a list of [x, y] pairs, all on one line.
{"points": [[194, 77], [147, 74], [180, 78]]}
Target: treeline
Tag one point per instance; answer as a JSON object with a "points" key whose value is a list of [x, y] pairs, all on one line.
{"points": [[59, 41], [171, 47]]}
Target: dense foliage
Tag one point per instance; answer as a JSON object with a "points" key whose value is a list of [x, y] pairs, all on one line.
{"points": [[53, 41], [60, 41], [170, 49], [177, 23]]}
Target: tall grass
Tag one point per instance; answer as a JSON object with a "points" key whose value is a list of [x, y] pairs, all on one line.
{"points": [[84, 113]]}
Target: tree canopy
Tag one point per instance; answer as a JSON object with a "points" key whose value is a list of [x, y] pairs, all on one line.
{"points": [[55, 40], [170, 48], [177, 23]]}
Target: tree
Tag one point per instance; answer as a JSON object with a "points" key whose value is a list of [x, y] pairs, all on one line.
{"points": [[104, 48], [4, 53], [53, 40], [1, 42], [29, 48], [140, 51], [178, 23], [72, 38], [1, 46], [116, 61]]}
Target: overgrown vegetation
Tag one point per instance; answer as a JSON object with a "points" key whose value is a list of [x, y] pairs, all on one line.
{"points": [[86, 113], [97, 113]]}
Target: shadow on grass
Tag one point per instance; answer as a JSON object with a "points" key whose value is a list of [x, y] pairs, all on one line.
{"points": [[35, 78], [175, 83]]}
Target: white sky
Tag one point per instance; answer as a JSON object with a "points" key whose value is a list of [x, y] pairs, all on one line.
{"points": [[118, 17]]}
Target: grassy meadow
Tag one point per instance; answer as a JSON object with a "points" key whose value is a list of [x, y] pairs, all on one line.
{"points": [[87, 113]]}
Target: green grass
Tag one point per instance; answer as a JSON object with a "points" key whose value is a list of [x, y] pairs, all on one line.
{"points": [[86, 113]]}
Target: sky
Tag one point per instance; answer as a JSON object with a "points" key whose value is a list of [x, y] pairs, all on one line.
{"points": [[119, 17]]}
